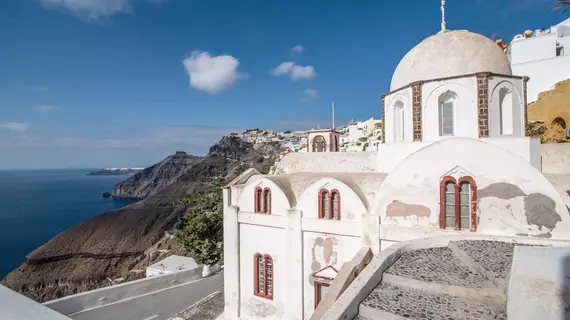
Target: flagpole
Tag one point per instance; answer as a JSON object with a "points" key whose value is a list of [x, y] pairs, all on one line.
{"points": [[333, 115]]}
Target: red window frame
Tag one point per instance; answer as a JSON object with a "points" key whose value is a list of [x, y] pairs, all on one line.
{"points": [[261, 206], [257, 195], [329, 194], [317, 286], [256, 292], [457, 187]]}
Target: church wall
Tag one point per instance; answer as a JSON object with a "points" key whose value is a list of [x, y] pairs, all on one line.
{"points": [[390, 155], [265, 240], [322, 250], [525, 147], [465, 112], [405, 97], [279, 201], [327, 162], [515, 86], [351, 206], [512, 198]]}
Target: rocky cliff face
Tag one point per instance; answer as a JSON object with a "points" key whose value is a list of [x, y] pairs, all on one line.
{"points": [[152, 179], [108, 247]]}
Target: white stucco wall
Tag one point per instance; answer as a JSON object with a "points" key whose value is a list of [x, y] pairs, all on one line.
{"points": [[533, 49], [322, 250], [327, 162], [264, 240], [509, 206], [405, 96], [558, 70], [465, 109], [390, 155], [515, 86]]}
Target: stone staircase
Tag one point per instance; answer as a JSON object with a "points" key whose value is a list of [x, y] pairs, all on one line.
{"points": [[465, 280]]}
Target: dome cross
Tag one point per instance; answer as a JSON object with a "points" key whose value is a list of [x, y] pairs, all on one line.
{"points": [[443, 24]]}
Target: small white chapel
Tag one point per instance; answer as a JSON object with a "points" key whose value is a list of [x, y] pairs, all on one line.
{"points": [[455, 160]]}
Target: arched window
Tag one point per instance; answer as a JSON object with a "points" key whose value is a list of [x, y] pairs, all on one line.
{"points": [[258, 200], [506, 110], [262, 200], [268, 276], [458, 204], [335, 204], [399, 121], [324, 204], [449, 205], [446, 114], [263, 276], [319, 144], [329, 204], [267, 201], [465, 205]]}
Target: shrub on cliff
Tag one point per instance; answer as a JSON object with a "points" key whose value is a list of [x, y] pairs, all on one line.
{"points": [[200, 229]]}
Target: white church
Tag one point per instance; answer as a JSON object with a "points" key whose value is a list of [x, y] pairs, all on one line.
{"points": [[455, 160]]}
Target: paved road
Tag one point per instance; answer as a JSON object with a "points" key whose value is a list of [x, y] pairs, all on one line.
{"points": [[158, 305]]}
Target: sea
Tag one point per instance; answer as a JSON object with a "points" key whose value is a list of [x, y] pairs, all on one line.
{"points": [[35, 206]]}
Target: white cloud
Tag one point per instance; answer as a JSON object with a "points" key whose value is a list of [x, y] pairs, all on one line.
{"points": [[283, 68], [298, 49], [93, 9], [45, 108], [14, 126], [295, 72], [311, 93], [212, 73]]}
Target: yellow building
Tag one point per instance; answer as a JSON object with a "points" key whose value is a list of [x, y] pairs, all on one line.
{"points": [[552, 107]]}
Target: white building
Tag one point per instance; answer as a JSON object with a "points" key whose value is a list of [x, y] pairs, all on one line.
{"points": [[455, 161], [172, 264], [544, 56]]}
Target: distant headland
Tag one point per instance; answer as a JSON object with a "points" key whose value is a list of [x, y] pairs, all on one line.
{"points": [[115, 172]]}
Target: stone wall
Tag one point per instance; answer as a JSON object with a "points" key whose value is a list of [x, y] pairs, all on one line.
{"points": [[483, 104], [417, 110]]}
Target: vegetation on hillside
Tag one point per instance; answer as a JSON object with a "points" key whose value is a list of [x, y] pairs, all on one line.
{"points": [[200, 229]]}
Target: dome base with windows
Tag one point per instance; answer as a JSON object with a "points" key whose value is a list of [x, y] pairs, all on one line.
{"points": [[456, 161]]}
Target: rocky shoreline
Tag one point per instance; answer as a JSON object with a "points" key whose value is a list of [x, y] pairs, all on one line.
{"points": [[111, 246]]}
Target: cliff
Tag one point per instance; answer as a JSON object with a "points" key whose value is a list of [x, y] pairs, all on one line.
{"points": [[150, 180], [112, 245]]}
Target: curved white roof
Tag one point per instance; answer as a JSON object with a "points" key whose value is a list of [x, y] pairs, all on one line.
{"points": [[448, 54]]}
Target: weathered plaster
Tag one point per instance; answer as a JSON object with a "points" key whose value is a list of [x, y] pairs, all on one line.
{"points": [[509, 212], [401, 209]]}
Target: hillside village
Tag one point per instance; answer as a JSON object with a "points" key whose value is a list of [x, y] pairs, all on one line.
{"points": [[354, 136]]}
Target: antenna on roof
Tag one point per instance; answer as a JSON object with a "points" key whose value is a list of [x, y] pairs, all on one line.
{"points": [[443, 24]]}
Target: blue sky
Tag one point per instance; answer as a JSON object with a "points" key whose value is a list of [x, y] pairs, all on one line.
{"points": [[95, 83]]}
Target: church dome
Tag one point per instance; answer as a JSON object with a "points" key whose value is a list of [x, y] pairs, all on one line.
{"points": [[448, 54]]}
